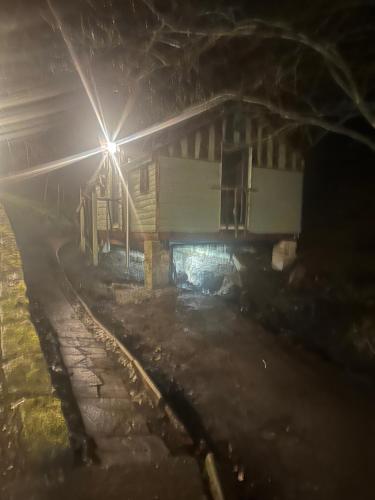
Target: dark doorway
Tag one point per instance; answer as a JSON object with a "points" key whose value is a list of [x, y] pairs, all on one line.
{"points": [[234, 180]]}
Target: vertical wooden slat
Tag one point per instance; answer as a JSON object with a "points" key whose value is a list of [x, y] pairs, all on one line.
{"points": [[82, 222], [211, 143], [94, 209], [127, 223], [45, 189], [224, 130], [269, 152], [184, 147], [197, 144], [259, 145], [249, 186], [235, 213], [294, 161], [248, 130], [236, 137], [58, 198], [282, 155]]}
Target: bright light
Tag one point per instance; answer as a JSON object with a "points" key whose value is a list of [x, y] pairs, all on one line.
{"points": [[111, 147]]}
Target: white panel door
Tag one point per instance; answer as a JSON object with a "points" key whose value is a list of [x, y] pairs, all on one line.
{"points": [[275, 201], [189, 198]]}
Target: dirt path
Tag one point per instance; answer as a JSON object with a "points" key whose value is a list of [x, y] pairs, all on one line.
{"points": [[300, 428]]}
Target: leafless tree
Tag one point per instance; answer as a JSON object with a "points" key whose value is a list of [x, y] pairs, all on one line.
{"points": [[310, 66]]}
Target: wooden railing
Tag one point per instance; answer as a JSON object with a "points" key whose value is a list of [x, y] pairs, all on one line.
{"points": [[234, 202]]}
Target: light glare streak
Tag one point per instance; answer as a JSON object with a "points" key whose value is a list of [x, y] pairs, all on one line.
{"points": [[79, 70], [45, 168]]}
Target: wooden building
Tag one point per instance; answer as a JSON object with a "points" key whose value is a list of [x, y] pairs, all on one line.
{"points": [[213, 173]]}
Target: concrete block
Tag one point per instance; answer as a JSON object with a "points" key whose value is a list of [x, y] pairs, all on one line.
{"points": [[283, 254], [156, 265]]}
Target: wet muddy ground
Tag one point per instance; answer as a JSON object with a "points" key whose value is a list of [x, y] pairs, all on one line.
{"points": [[292, 425]]}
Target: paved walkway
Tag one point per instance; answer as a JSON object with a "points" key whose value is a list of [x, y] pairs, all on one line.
{"points": [[114, 416]]}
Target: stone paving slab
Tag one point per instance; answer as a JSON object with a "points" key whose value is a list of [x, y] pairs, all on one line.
{"points": [[82, 376], [65, 341], [102, 419], [78, 361], [82, 391], [130, 450], [92, 352]]}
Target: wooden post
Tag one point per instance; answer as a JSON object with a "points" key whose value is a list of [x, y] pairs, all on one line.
{"points": [[235, 214], [294, 161], [211, 143], [282, 155], [249, 187], [223, 131], [45, 188], [127, 224], [58, 198], [184, 147], [82, 245], [94, 216], [269, 152], [248, 131], [197, 144], [156, 265], [259, 146]]}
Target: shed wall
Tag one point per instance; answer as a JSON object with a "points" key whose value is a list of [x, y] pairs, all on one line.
{"points": [[189, 199], [142, 206], [275, 201]]}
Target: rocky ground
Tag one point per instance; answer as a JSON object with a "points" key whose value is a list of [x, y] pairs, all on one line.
{"points": [[291, 424]]}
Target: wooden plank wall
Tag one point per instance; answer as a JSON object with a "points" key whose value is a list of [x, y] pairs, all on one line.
{"points": [[107, 192], [143, 206], [270, 148]]}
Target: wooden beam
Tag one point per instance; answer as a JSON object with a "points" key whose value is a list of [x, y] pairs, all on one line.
{"points": [[94, 216]]}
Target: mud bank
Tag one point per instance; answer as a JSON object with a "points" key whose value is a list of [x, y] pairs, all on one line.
{"points": [[33, 434], [290, 424]]}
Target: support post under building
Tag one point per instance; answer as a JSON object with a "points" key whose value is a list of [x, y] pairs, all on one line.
{"points": [[82, 244], [94, 211], [157, 265]]}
